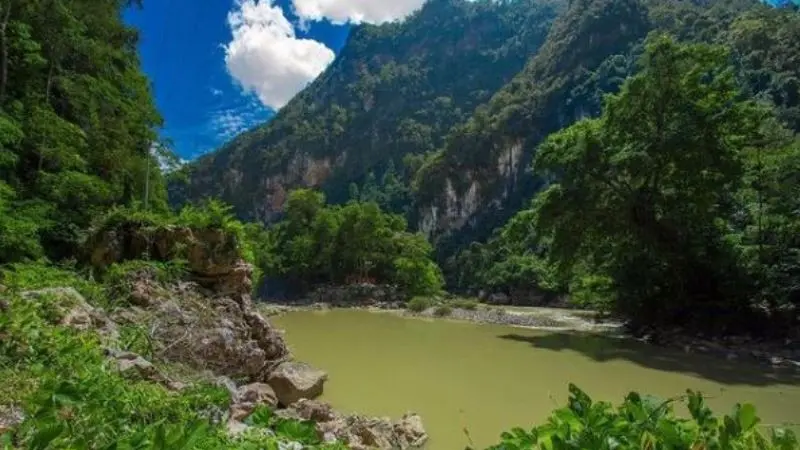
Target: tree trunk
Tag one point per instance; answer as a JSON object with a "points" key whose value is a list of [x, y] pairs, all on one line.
{"points": [[4, 50]]}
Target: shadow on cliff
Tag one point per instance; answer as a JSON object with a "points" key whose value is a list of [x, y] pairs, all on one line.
{"points": [[711, 367]]}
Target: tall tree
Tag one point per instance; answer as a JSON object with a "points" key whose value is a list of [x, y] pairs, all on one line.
{"points": [[644, 193]]}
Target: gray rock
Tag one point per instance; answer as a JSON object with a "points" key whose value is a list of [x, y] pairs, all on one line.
{"points": [[10, 418], [359, 432], [293, 381], [257, 393], [228, 384]]}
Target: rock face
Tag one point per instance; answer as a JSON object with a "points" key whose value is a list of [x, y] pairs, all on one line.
{"points": [[359, 432], [213, 256], [206, 330], [293, 381]]}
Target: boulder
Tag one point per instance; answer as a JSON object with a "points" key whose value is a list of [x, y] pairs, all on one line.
{"points": [[410, 431], [258, 394], [293, 381], [247, 398], [132, 365]]}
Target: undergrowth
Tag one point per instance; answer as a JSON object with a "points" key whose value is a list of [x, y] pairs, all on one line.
{"points": [[72, 398]]}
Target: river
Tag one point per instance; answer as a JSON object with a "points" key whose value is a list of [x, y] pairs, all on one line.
{"points": [[488, 378]]}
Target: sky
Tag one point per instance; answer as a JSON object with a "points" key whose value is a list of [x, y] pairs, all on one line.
{"points": [[220, 67]]}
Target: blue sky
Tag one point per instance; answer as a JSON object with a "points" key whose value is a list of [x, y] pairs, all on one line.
{"points": [[202, 104], [219, 67]]}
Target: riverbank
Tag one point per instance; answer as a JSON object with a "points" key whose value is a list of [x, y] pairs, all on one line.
{"points": [[775, 354]]}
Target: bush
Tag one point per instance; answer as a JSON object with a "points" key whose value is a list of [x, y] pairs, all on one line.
{"points": [[33, 276], [644, 422], [464, 303], [443, 311], [420, 304]]}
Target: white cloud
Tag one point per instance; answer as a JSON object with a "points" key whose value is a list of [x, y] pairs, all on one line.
{"points": [[355, 11], [266, 57], [216, 92]]}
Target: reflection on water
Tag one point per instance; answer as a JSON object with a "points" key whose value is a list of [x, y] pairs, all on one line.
{"points": [[489, 378]]}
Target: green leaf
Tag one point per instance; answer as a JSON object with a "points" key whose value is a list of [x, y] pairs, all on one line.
{"points": [[746, 415]]}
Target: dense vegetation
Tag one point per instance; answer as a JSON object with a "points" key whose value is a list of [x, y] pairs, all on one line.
{"points": [[76, 123], [321, 244], [677, 205], [587, 55]]}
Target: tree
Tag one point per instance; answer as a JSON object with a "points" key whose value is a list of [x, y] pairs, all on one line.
{"points": [[643, 193]]}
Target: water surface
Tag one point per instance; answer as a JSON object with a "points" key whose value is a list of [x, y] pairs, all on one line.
{"points": [[488, 378]]}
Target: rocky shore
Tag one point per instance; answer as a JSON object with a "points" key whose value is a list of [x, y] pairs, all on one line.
{"points": [[207, 323]]}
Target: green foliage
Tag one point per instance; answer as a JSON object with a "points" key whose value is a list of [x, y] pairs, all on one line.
{"points": [[337, 244], [643, 193], [77, 123], [442, 311], [512, 259], [419, 304], [644, 422], [35, 276], [464, 303], [20, 225]]}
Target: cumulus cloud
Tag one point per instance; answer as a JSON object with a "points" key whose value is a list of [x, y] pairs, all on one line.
{"points": [[355, 11], [265, 55]]}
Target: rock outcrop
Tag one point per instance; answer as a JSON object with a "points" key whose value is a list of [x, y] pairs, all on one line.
{"points": [[212, 255], [207, 320], [203, 329], [359, 432], [294, 381]]}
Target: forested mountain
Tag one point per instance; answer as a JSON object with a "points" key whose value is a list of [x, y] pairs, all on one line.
{"points": [[441, 116], [395, 90], [458, 96], [77, 123], [478, 179]]}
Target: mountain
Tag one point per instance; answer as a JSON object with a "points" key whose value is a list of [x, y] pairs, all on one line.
{"points": [[479, 178], [439, 116], [394, 90]]}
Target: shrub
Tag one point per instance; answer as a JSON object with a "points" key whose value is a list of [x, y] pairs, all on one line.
{"points": [[443, 311], [465, 303], [33, 276], [420, 304], [644, 422]]}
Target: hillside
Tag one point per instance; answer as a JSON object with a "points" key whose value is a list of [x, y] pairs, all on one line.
{"points": [[478, 179], [394, 90]]}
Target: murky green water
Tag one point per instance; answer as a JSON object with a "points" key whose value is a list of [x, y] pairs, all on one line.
{"points": [[489, 378]]}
